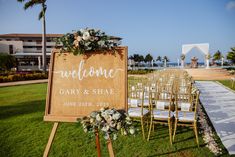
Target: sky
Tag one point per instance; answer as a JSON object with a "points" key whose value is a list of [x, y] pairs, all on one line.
{"points": [[158, 27]]}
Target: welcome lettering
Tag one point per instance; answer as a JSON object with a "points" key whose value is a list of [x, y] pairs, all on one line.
{"points": [[82, 73]]}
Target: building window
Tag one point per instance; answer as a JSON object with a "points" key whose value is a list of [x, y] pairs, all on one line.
{"points": [[30, 40], [11, 49], [8, 39], [39, 48], [28, 47], [38, 42]]}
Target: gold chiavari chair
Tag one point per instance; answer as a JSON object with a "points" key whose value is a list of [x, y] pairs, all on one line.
{"points": [[161, 113], [186, 113], [136, 109]]}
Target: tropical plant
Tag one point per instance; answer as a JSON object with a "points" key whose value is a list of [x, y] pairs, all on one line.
{"points": [[217, 56], [231, 55], [131, 57], [165, 58], [159, 58], [86, 40], [148, 58], [7, 61], [30, 4]]}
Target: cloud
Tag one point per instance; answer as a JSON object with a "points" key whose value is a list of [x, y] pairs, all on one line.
{"points": [[230, 5]]}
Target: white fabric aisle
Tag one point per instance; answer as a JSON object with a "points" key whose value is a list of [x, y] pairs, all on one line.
{"points": [[219, 103]]}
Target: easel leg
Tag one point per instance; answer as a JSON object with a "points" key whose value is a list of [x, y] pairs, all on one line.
{"points": [[110, 148], [97, 141], [53, 131]]}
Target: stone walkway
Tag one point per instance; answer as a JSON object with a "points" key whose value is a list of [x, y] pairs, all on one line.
{"points": [[219, 103], [23, 82]]}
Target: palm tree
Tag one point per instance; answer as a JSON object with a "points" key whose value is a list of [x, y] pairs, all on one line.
{"points": [[231, 55], [30, 4], [159, 58], [165, 58], [148, 58], [217, 56]]}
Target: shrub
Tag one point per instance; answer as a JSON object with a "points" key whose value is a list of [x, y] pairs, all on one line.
{"points": [[23, 76], [140, 72]]}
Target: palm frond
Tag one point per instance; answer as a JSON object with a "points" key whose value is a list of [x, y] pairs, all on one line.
{"points": [[42, 12]]}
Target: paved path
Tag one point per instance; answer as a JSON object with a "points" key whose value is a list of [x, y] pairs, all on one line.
{"points": [[219, 103], [23, 82]]}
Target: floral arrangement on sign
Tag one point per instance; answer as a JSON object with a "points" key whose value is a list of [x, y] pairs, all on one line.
{"points": [[108, 121], [182, 57], [85, 40], [208, 56]]}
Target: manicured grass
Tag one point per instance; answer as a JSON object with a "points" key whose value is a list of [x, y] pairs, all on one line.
{"points": [[24, 133], [227, 83]]}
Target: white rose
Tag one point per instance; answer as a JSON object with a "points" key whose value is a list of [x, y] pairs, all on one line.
{"points": [[86, 36], [98, 118], [132, 131]]}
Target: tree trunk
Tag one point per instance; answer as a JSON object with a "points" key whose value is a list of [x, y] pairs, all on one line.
{"points": [[44, 41]]}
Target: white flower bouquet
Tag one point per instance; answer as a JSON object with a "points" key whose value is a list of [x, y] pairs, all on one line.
{"points": [[108, 121], [85, 40]]}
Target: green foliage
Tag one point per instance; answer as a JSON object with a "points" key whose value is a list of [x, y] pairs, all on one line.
{"points": [[23, 77], [140, 72], [159, 58], [165, 58], [7, 61], [148, 58], [32, 3], [86, 40], [217, 56], [231, 55]]}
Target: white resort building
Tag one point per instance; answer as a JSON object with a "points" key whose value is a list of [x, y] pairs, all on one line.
{"points": [[27, 48]]}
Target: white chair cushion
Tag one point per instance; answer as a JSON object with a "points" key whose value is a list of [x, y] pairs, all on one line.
{"points": [[137, 102], [133, 102], [146, 102], [185, 116], [161, 105], [162, 114], [185, 106], [136, 112]]}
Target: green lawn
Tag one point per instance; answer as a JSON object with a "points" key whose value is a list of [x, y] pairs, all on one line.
{"points": [[227, 83], [24, 133]]}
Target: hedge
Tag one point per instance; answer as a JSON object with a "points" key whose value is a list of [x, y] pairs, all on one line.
{"points": [[23, 77]]}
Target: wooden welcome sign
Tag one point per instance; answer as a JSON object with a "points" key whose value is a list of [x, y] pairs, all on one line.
{"points": [[81, 84]]}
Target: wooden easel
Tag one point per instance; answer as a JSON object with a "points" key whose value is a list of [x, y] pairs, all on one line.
{"points": [[97, 141]]}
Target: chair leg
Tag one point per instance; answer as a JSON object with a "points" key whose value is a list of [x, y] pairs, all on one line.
{"points": [[196, 133], [170, 130], [175, 129], [150, 127], [142, 127]]}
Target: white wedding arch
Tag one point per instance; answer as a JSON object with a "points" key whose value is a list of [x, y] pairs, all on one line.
{"points": [[204, 48]]}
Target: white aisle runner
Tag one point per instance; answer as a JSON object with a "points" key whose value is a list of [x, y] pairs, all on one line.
{"points": [[219, 103]]}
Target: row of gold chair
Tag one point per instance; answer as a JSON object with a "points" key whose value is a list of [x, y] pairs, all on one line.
{"points": [[167, 97]]}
